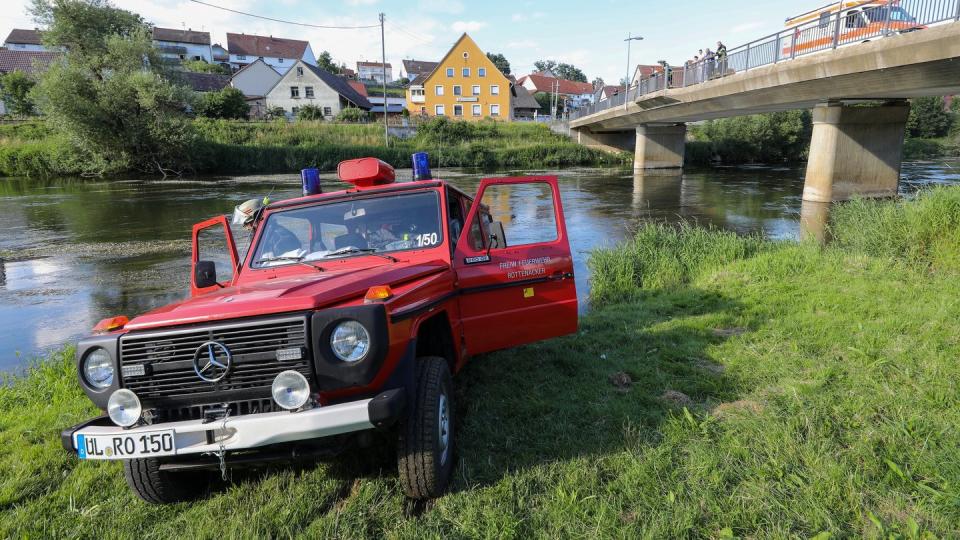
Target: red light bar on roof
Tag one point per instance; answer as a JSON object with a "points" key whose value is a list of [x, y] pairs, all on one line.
{"points": [[366, 172]]}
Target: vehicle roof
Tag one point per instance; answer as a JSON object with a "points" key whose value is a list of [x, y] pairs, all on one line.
{"points": [[354, 191]]}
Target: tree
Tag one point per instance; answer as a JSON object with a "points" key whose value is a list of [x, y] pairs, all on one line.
{"points": [[562, 70], [110, 94], [352, 114], [228, 102], [928, 118], [326, 63], [201, 66], [500, 61], [15, 89], [545, 100], [310, 112], [598, 82]]}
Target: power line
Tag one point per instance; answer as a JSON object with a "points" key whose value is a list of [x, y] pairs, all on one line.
{"points": [[285, 21], [411, 34]]}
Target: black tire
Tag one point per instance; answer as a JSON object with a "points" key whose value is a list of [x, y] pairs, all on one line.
{"points": [[425, 464], [163, 487]]}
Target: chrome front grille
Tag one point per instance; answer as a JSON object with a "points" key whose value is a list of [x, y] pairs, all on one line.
{"points": [[167, 358]]}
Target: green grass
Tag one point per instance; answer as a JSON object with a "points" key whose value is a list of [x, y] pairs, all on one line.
{"points": [[231, 147], [775, 390]]}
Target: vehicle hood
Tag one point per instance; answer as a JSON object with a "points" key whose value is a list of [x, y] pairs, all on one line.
{"points": [[302, 292]]}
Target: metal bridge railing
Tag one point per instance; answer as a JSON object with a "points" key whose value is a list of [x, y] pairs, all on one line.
{"points": [[827, 32]]}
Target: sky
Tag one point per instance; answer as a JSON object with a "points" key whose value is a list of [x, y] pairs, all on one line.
{"points": [[587, 33]]}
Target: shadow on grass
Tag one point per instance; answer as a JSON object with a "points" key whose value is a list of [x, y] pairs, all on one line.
{"points": [[567, 398]]}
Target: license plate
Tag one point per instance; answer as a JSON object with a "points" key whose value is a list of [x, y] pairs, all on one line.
{"points": [[126, 446]]}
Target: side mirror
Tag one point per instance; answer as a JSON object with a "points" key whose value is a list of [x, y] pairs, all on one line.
{"points": [[205, 274]]}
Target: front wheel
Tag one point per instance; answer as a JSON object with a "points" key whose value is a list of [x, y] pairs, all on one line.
{"points": [[425, 449], [157, 486]]}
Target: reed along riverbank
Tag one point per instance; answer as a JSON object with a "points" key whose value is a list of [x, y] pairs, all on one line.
{"points": [[720, 386]]}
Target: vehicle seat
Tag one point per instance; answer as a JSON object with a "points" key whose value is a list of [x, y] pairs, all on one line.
{"points": [[455, 229], [350, 239]]}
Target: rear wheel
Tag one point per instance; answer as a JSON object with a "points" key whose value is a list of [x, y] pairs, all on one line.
{"points": [[164, 487], [425, 449]]}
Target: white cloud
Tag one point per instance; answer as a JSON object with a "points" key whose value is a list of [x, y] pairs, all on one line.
{"points": [[362, 2], [467, 26], [441, 6], [523, 44]]}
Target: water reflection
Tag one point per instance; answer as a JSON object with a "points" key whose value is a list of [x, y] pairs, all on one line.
{"points": [[73, 252]]}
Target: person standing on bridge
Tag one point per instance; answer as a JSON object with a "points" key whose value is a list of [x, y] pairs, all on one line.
{"points": [[708, 65], [722, 58]]}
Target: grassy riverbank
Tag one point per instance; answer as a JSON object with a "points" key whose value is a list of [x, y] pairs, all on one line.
{"points": [[722, 386], [232, 147]]}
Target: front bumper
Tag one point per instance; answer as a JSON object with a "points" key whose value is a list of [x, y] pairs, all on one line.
{"points": [[256, 430]]}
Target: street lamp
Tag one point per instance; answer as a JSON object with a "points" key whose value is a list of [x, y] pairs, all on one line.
{"points": [[626, 86]]}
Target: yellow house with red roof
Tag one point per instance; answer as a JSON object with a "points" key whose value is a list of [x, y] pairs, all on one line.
{"points": [[465, 85]]}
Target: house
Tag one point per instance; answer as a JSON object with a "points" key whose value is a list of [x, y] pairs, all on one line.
{"points": [[606, 92], [358, 86], [465, 85], [644, 72], [220, 55], [278, 53], [573, 94], [27, 61], [413, 68], [306, 84], [255, 78], [523, 104], [23, 39], [348, 73], [395, 105], [203, 82], [182, 45], [373, 71]]}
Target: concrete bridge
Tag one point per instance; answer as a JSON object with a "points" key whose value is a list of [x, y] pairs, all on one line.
{"points": [[858, 95]]}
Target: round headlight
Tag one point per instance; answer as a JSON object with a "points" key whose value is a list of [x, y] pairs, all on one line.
{"points": [[350, 341], [98, 369], [290, 390], [124, 408]]}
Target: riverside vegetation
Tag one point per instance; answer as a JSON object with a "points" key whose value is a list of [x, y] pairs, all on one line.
{"points": [[721, 386]]}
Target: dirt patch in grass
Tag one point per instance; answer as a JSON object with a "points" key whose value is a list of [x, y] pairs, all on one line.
{"points": [[741, 406], [676, 398], [621, 381]]}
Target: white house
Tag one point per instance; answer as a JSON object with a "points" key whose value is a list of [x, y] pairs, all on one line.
{"points": [[373, 71], [306, 84], [278, 53], [23, 39], [255, 79], [183, 45]]}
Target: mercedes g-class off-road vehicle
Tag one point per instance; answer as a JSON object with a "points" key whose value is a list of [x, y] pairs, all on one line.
{"points": [[349, 313]]}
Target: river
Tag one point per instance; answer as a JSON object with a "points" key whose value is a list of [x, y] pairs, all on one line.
{"points": [[75, 251]]}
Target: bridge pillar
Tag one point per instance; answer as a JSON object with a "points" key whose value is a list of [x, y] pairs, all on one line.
{"points": [[660, 147], [617, 141], [855, 151]]}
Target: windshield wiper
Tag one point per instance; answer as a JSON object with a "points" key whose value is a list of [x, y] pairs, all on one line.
{"points": [[351, 249], [298, 260]]}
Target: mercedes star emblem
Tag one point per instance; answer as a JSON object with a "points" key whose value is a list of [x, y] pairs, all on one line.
{"points": [[212, 361]]}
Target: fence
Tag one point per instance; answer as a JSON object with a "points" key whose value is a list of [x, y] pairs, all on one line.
{"points": [[826, 31]]}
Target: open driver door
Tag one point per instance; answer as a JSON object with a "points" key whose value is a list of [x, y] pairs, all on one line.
{"points": [[214, 263], [514, 266]]}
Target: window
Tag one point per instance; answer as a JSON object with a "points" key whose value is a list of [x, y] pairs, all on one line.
{"points": [[465, 72], [295, 92], [494, 109], [438, 110], [295, 110], [308, 91], [327, 111], [416, 92], [481, 72], [458, 110], [494, 89], [197, 58], [423, 111], [438, 91], [299, 71], [825, 19], [535, 225], [457, 90], [280, 60], [477, 110], [449, 72], [476, 89], [855, 20], [241, 57]]}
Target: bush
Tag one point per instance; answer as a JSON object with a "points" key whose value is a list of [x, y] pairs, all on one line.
{"points": [[352, 114], [928, 118], [15, 90], [229, 103], [310, 112], [201, 66], [765, 138], [275, 113], [923, 149]]}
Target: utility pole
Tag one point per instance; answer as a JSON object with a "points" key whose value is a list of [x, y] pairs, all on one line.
{"points": [[627, 81], [383, 51]]}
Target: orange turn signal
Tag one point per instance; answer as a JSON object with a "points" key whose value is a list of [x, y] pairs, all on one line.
{"points": [[378, 293], [111, 324]]}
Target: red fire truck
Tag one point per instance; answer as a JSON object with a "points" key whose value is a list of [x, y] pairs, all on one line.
{"points": [[347, 315]]}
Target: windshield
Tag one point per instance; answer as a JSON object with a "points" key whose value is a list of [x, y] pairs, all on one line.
{"points": [[350, 228], [896, 14]]}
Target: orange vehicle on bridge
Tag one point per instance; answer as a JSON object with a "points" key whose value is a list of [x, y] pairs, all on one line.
{"points": [[860, 20]]}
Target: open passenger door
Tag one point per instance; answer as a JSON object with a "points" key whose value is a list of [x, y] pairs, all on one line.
{"points": [[514, 266], [214, 263]]}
